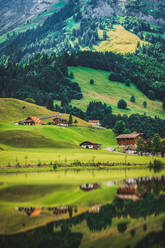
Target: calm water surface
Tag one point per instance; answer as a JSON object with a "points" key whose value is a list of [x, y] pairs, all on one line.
{"points": [[134, 217]]}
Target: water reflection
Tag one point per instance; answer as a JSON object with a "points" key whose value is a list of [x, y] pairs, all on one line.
{"points": [[126, 216]]}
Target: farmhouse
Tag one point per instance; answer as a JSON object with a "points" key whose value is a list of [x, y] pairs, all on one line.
{"points": [[32, 120], [60, 122], [90, 145], [94, 122], [129, 139]]}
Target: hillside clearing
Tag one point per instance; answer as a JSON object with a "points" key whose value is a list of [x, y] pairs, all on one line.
{"points": [[119, 40], [110, 92]]}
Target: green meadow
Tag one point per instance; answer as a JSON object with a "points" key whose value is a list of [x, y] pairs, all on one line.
{"points": [[32, 145], [110, 92]]}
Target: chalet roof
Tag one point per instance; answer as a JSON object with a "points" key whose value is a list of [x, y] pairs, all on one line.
{"points": [[94, 121], [62, 119], [129, 136], [33, 118], [88, 143]]}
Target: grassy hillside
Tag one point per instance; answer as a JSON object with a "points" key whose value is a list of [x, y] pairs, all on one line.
{"points": [[119, 40], [12, 110], [110, 93]]}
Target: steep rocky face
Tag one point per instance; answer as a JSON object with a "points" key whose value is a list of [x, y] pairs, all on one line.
{"points": [[16, 12], [149, 10]]}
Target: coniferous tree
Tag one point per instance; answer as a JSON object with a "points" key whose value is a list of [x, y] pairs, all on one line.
{"points": [[156, 144], [70, 119], [50, 104]]}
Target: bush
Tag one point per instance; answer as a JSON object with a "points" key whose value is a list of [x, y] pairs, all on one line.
{"points": [[132, 99], [145, 104], [71, 75], [122, 227], [92, 81], [29, 99], [116, 77], [122, 104]]}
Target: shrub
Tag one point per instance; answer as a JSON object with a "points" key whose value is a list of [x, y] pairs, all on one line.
{"points": [[92, 81], [29, 99], [116, 77], [71, 75], [132, 99], [145, 104], [122, 104], [122, 227]]}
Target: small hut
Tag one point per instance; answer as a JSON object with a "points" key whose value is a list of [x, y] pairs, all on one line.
{"points": [[90, 145], [94, 122], [60, 122]]}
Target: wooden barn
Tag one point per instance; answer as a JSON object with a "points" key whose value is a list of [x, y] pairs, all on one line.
{"points": [[60, 122], [129, 139], [90, 145], [32, 120], [94, 122]]}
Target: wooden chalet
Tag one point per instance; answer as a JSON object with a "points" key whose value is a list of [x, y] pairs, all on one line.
{"points": [[129, 139], [60, 122], [94, 122], [32, 120], [90, 145]]}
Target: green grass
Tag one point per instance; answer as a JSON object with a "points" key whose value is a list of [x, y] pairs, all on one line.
{"points": [[110, 93], [12, 110], [119, 40], [32, 145]]}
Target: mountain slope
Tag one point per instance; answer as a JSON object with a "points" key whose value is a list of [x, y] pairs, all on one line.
{"points": [[17, 12], [79, 23], [111, 92]]}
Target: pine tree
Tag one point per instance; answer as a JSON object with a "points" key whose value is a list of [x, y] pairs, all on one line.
{"points": [[50, 104], [156, 143], [70, 119]]}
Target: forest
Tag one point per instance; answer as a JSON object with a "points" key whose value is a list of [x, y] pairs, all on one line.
{"points": [[40, 79]]}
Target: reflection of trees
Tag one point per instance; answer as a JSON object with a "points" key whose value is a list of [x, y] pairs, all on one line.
{"points": [[122, 227], [156, 185], [101, 220], [43, 237], [153, 239]]}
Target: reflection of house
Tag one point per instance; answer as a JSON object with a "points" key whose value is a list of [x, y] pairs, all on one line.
{"points": [[94, 210], [36, 212], [94, 122], [60, 122], [32, 212], [129, 139], [32, 120], [90, 145], [89, 186], [60, 210], [128, 192]]}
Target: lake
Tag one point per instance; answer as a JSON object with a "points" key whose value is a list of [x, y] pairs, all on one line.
{"points": [[83, 209]]}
